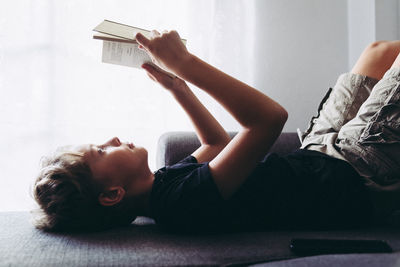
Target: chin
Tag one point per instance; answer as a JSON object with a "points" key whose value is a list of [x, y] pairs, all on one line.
{"points": [[143, 152], [142, 149]]}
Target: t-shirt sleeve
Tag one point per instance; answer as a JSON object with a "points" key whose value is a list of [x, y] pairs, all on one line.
{"points": [[188, 159], [187, 198]]}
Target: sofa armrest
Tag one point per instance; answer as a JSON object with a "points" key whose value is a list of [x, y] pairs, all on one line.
{"points": [[174, 146]]}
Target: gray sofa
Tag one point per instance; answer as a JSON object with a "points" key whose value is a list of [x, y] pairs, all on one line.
{"points": [[143, 244]]}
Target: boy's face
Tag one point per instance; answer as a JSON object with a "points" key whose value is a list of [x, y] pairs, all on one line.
{"points": [[115, 163]]}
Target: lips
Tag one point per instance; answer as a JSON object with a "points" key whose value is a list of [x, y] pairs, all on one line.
{"points": [[130, 145]]}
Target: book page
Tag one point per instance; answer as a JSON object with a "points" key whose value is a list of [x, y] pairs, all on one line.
{"points": [[126, 54], [108, 37]]}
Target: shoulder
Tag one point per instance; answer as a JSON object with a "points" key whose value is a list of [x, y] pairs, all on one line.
{"points": [[181, 179], [182, 191], [177, 170]]}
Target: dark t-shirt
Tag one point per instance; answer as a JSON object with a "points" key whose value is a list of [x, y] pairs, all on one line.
{"points": [[304, 189]]}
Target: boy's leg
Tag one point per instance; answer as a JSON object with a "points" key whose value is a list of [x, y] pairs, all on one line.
{"points": [[371, 141], [343, 101], [377, 58]]}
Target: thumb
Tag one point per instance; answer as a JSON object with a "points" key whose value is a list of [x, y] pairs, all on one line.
{"points": [[142, 40], [153, 72], [153, 67], [157, 75]]}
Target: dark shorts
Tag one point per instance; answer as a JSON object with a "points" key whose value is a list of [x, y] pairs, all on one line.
{"points": [[308, 189]]}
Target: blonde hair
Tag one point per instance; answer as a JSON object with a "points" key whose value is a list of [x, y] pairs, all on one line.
{"points": [[68, 196]]}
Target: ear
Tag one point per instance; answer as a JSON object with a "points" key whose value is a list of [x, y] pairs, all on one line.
{"points": [[112, 196]]}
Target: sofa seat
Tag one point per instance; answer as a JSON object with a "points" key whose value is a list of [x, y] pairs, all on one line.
{"points": [[143, 244]]}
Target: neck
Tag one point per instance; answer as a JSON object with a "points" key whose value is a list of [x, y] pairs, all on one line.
{"points": [[141, 202]]}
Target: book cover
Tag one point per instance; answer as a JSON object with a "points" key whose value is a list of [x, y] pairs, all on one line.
{"points": [[120, 30]]}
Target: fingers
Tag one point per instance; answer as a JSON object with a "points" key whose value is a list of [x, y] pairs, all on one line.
{"points": [[166, 50], [164, 78], [145, 42], [156, 74], [142, 40], [151, 76], [154, 33]]}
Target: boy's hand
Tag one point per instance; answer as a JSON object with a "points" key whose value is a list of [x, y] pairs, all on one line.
{"points": [[173, 84], [166, 49]]}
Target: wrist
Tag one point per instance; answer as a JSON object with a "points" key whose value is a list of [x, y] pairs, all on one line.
{"points": [[180, 92], [186, 61]]}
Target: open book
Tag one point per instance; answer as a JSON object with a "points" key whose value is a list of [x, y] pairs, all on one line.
{"points": [[120, 46]]}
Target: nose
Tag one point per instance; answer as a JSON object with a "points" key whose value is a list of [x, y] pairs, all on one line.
{"points": [[114, 142]]}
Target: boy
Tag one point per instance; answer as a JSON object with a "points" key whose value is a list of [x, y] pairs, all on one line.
{"points": [[226, 184]]}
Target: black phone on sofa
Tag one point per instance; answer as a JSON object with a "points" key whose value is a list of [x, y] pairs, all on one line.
{"points": [[309, 246]]}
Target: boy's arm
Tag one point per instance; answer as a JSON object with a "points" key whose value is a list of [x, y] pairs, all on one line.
{"points": [[262, 119], [212, 136]]}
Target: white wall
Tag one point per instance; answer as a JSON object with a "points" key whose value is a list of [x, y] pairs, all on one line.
{"points": [[361, 25], [300, 49], [387, 19], [371, 20]]}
